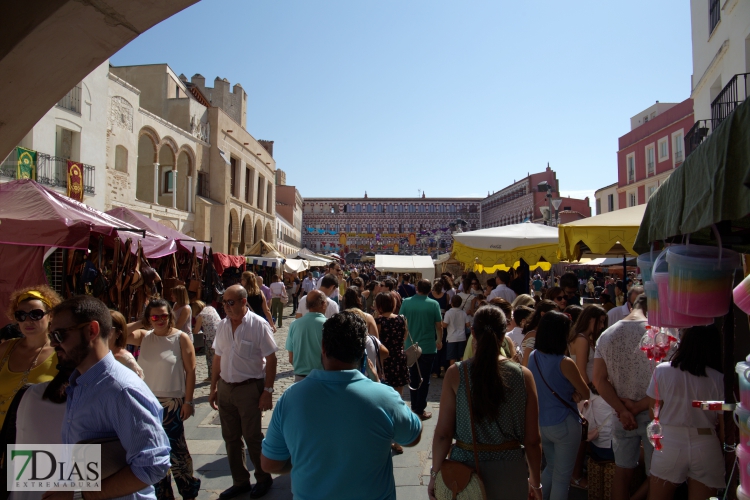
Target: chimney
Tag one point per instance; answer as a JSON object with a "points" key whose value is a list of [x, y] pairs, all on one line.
{"points": [[199, 80], [280, 177], [267, 145]]}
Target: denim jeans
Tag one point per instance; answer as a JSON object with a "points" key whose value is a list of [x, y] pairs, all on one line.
{"points": [[419, 397], [560, 444]]}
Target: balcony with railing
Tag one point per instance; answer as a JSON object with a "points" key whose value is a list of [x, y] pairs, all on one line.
{"points": [[51, 171], [288, 239], [731, 96], [72, 100]]}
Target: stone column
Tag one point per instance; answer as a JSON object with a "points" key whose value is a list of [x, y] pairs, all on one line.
{"points": [[174, 187], [156, 183], [189, 203]]}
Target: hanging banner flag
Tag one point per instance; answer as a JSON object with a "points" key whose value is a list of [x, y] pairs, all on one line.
{"points": [[26, 164], [395, 248], [412, 239], [342, 238], [75, 181]]}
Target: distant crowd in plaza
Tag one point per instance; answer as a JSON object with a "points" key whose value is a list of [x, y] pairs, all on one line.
{"points": [[524, 362]]}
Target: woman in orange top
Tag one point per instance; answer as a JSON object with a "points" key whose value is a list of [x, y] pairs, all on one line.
{"points": [[29, 360]]}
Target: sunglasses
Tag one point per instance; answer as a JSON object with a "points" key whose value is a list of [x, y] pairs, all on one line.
{"points": [[229, 302], [60, 334], [561, 298], [33, 315], [159, 317]]}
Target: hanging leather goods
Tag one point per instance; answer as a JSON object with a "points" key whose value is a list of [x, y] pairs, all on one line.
{"points": [[115, 279]]}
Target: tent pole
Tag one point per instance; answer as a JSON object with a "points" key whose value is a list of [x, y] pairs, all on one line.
{"points": [[625, 275]]}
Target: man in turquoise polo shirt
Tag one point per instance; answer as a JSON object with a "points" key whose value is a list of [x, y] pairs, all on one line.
{"points": [[333, 430], [425, 328], [305, 336]]}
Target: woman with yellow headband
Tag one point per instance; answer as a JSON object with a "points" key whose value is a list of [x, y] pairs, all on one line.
{"points": [[31, 359]]}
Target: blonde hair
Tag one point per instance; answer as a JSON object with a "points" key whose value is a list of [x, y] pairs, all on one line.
{"points": [[252, 284], [524, 300], [50, 299], [197, 306], [180, 295]]}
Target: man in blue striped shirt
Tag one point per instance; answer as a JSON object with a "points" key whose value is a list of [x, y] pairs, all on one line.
{"points": [[107, 400]]}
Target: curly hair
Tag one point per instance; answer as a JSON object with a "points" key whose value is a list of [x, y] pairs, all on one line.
{"points": [[344, 337], [51, 297]]}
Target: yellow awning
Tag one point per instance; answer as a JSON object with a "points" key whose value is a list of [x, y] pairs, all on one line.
{"points": [[607, 235], [488, 258], [479, 268]]}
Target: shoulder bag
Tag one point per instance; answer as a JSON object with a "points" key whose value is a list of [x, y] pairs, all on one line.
{"points": [[413, 353], [581, 418], [456, 480]]}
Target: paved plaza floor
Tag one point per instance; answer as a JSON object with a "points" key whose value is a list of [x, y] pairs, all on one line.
{"points": [[203, 433]]}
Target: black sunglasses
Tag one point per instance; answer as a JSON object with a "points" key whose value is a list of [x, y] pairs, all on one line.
{"points": [[60, 334], [230, 302], [33, 315], [561, 298]]}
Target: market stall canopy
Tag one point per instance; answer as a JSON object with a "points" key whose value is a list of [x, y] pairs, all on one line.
{"points": [[32, 215], [479, 268], [314, 259], [180, 240], [406, 264], [264, 249], [506, 245], [709, 187], [606, 235], [259, 260], [296, 265]]}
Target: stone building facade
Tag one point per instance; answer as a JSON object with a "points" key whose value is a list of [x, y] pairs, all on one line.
{"points": [[386, 225], [289, 206], [186, 157]]}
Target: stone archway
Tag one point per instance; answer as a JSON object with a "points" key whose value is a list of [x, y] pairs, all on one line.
{"points": [[246, 234], [147, 142], [258, 232], [233, 232], [268, 236]]}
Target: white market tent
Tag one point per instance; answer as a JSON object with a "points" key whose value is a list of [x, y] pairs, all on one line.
{"points": [[296, 265], [406, 264]]}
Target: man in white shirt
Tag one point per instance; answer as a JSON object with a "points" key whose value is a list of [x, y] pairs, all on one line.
{"points": [[617, 313], [245, 353], [502, 289], [308, 284], [328, 284], [334, 269]]}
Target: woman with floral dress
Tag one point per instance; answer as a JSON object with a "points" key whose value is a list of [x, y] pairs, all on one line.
{"points": [[392, 330]]}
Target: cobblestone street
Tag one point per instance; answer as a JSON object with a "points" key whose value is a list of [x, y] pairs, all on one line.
{"points": [[203, 432]]}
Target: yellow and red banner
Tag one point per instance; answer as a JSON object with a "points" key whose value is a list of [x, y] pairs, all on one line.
{"points": [[75, 181]]}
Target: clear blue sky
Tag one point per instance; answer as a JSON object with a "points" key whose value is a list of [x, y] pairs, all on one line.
{"points": [[455, 98]]}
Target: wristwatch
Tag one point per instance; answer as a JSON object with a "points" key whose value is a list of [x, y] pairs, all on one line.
{"points": [[269, 390], [433, 474], [191, 403]]}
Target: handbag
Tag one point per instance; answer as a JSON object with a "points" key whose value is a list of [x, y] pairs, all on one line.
{"points": [[413, 353], [581, 418], [456, 480], [593, 431]]}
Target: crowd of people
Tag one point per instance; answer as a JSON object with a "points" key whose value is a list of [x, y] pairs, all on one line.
{"points": [[521, 373]]}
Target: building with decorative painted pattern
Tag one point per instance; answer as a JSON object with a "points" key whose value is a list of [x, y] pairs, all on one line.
{"points": [[385, 225]]}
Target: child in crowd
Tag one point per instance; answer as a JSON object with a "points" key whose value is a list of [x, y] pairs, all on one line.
{"points": [[521, 316], [455, 321]]}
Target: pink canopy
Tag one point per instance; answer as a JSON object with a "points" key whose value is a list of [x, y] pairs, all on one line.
{"points": [[33, 215], [185, 242]]}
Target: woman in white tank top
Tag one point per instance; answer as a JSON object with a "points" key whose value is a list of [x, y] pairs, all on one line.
{"points": [[168, 361]]}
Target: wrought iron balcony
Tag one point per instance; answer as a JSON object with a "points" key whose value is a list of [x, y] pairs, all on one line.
{"points": [[731, 96], [697, 134], [50, 170], [290, 240]]}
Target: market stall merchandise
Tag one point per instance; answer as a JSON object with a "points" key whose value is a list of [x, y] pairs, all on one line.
{"points": [[699, 212], [182, 241], [421, 264], [36, 222]]}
